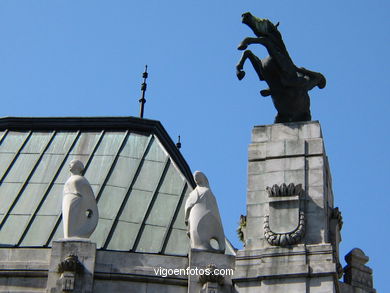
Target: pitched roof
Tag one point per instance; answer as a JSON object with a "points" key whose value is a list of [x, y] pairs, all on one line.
{"points": [[139, 178]]}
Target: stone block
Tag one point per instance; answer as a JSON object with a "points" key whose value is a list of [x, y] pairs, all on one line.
{"points": [[294, 176], [284, 164], [323, 284], [85, 252], [261, 133], [257, 167], [257, 151], [257, 210], [316, 162], [284, 285], [282, 132], [310, 130], [254, 226], [256, 243], [295, 147], [256, 197], [317, 195], [315, 146], [248, 287], [275, 149], [105, 286], [316, 177]]}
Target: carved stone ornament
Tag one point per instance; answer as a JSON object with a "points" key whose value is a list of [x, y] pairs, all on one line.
{"points": [[285, 223], [209, 275], [68, 269]]}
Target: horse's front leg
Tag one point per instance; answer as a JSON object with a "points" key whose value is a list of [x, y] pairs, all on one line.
{"points": [[248, 41], [256, 63], [240, 65]]}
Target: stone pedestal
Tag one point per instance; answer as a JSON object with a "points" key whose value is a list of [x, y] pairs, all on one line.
{"points": [[72, 266], [357, 274], [292, 230], [201, 278]]}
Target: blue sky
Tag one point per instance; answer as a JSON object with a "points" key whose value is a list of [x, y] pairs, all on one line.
{"points": [[86, 58]]}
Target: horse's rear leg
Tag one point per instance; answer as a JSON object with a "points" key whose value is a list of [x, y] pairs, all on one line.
{"points": [[256, 63]]}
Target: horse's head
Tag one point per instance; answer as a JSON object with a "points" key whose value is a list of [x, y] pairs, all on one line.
{"points": [[262, 27]]}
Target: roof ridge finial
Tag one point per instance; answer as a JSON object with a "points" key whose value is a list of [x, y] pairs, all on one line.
{"points": [[178, 144], [143, 90]]}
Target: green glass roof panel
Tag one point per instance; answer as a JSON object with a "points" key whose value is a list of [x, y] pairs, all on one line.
{"points": [[85, 143], [13, 141], [136, 206], [12, 229], [179, 221], [59, 234], [110, 143], [149, 176], [163, 209], [99, 236], [5, 161], [178, 243], [29, 199], [123, 172], [135, 145], [39, 231], [110, 201], [21, 168], [46, 169], [8, 193], [36, 143], [98, 169], [53, 202], [173, 183], [124, 236], [156, 152], [61, 143], [151, 239]]}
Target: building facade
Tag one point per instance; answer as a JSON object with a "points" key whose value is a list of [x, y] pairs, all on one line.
{"points": [[141, 182]]}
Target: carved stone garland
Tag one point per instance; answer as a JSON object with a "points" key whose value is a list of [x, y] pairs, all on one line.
{"points": [[292, 237]]}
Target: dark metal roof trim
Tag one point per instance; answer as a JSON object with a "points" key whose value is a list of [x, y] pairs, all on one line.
{"points": [[102, 123]]}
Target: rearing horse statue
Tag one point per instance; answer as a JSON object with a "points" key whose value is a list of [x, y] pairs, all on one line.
{"points": [[288, 84]]}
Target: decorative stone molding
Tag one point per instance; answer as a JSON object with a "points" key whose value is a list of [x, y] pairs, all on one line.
{"points": [[70, 264], [336, 214], [241, 230], [68, 269], [279, 195], [210, 277]]}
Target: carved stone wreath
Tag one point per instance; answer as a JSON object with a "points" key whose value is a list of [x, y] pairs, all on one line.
{"points": [[280, 194]]}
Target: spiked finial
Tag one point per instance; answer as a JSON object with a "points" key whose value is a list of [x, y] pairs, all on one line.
{"points": [[178, 144], [143, 90]]}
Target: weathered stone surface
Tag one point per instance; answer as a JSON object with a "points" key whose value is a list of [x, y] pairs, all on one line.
{"points": [[280, 155], [83, 280], [357, 274], [202, 259]]}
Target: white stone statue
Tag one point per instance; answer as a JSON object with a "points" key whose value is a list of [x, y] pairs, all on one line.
{"points": [[79, 210], [202, 217]]}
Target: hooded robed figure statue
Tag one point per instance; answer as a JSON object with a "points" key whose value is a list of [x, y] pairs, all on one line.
{"points": [[202, 217]]}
